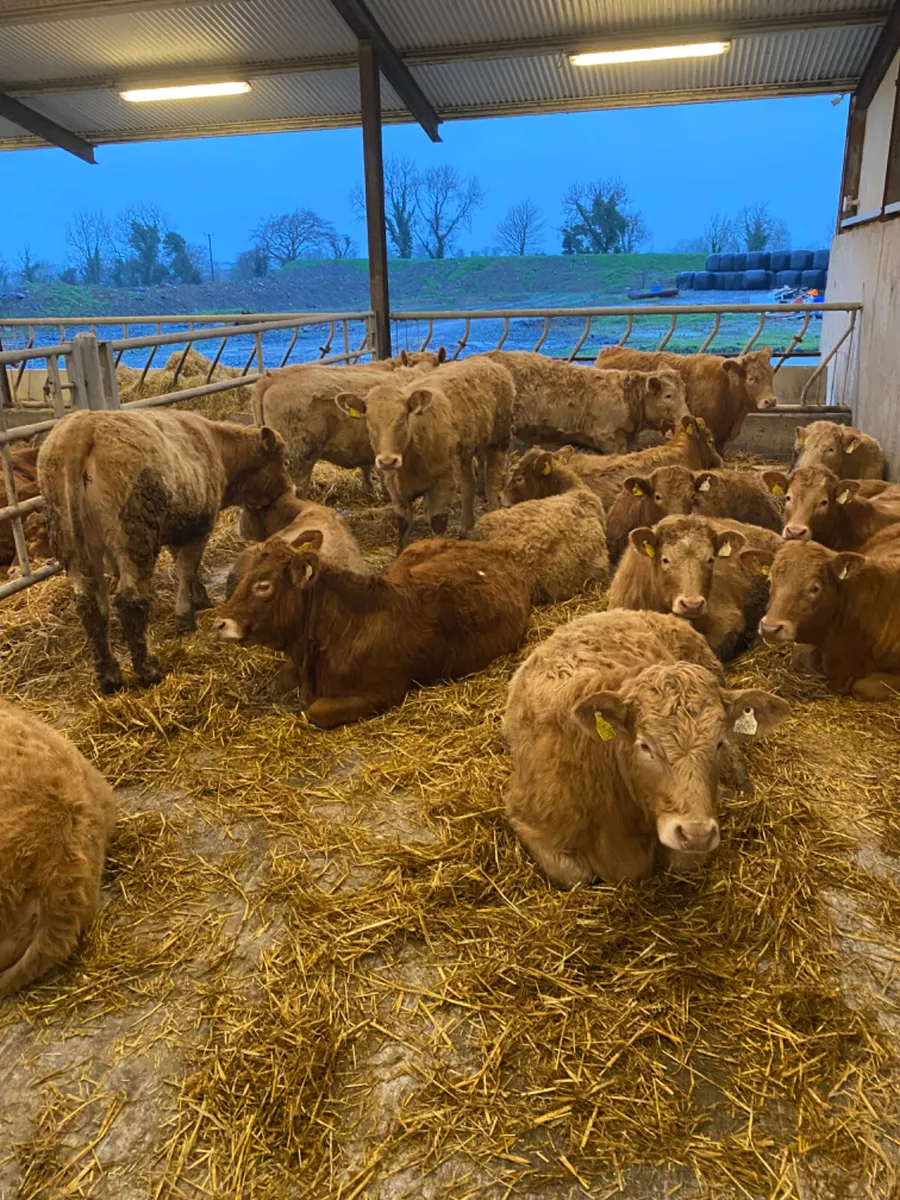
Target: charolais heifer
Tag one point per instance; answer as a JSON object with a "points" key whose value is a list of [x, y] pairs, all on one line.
{"points": [[843, 607], [848, 452], [359, 643], [698, 569], [119, 486], [619, 728], [720, 390], [426, 434], [604, 410], [56, 817], [822, 508]]}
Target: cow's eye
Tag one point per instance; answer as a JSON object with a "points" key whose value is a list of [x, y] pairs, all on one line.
{"points": [[721, 746], [658, 498], [823, 504], [814, 589], [263, 588], [665, 561], [644, 748], [710, 560]]}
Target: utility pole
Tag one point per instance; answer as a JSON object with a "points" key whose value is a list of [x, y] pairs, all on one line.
{"points": [[212, 269]]}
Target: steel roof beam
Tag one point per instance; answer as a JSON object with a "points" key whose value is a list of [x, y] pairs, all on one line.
{"points": [[879, 60], [366, 28], [42, 127]]}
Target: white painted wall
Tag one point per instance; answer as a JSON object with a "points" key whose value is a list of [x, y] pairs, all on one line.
{"points": [[879, 119]]}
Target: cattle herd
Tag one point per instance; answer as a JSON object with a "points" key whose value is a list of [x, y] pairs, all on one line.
{"points": [[620, 725]]}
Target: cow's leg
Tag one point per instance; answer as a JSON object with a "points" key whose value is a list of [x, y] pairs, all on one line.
{"points": [[329, 712], [438, 499], [402, 507], [92, 606], [806, 659], [565, 868], [482, 466], [494, 475], [881, 685], [366, 473], [467, 494], [133, 607], [301, 473], [191, 592]]}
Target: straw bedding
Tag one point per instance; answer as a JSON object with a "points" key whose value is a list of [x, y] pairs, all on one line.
{"points": [[324, 968]]}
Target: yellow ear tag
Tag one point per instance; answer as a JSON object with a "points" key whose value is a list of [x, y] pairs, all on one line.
{"points": [[764, 568], [605, 731], [638, 490], [547, 468], [842, 573], [850, 449], [649, 549], [354, 412], [690, 429], [725, 550], [306, 546], [777, 489], [843, 498], [705, 486], [307, 574]]}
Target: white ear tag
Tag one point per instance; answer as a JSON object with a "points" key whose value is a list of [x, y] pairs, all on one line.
{"points": [[843, 498], [307, 574], [842, 573], [705, 486], [746, 723], [725, 550]]}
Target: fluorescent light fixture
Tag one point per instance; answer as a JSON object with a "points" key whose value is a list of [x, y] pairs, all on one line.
{"points": [[191, 91], [649, 54]]}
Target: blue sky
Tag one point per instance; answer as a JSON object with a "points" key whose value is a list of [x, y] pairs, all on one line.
{"points": [[679, 163]]}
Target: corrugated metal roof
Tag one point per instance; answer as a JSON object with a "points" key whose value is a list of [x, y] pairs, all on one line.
{"points": [[470, 57]]}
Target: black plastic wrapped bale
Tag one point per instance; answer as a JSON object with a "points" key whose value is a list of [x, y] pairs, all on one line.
{"points": [[757, 280], [735, 281], [720, 281], [703, 281], [787, 278], [758, 260], [725, 261], [780, 260], [684, 279], [821, 259], [739, 262], [813, 279], [713, 262], [801, 260]]}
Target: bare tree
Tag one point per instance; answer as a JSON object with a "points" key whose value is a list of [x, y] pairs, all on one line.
{"points": [[599, 219], [341, 245], [758, 229], [293, 235], [4, 273], [719, 234], [401, 196], [29, 268], [89, 239], [521, 230], [635, 234], [446, 204]]}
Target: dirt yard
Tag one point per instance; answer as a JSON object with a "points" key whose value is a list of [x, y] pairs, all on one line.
{"points": [[324, 968]]}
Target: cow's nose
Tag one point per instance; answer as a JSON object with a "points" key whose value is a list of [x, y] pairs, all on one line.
{"points": [[228, 629], [698, 836], [767, 402], [795, 533], [388, 462], [769, 629], [691, 606]]}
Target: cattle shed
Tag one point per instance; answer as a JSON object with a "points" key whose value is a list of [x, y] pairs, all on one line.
{"points": [[324, 968]]}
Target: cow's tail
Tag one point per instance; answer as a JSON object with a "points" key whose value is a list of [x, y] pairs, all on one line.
{"points": [[259, 392], [62, 477]]}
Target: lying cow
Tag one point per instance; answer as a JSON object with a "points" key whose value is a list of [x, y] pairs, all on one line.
{"points": [[359, 643], [56, 816], [619, 726], [24, 463], [558, 401], [120, 486], [691, 446], [698, 569], [646, 499], [745, 496], [426, 434], [720, 390], [843, 605], [848, 452], [822, 508]]}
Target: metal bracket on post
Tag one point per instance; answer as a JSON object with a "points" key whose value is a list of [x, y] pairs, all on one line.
{"points": [[86, 373], [108, 371]]}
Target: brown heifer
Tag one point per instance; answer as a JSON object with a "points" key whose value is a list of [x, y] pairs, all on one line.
{"points": [[741, 495], [691, 446], [848, 452], [697, 568], [358, 643], [822, 508], [720, 390], [119, 486], [619, 729], [844, 605], [24, 463], [56, 816], [646, 499], [426, 435]]}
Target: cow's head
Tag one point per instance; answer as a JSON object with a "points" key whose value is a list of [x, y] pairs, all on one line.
{"points": [[753, 377], [665, 399], [388, 411], [668, 727], [262, 475], [682, 552], [827, 444], [805, 585], [813, 502], [535, 475], [263, 605]]}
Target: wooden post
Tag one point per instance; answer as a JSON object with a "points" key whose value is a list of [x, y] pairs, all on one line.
{"points": [[373, 160]]}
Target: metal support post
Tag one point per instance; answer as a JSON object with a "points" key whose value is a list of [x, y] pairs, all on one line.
{"points": [[373, 159]]}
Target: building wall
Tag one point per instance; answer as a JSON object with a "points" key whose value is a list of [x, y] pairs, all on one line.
{"points": [[879, 119]]}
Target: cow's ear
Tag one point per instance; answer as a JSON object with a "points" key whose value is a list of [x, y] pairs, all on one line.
{"points": [[644, 541], [543, 463], [404, 358], [757, 562], [704, 481], [636, 485], [310, 539], [564, 452], [728, 543], [852, 440], [687, 424], [847, 490], [269, 439], [800, 435], [846, 565], [303, 568], [754, 713], [776, 481], [734, 366], [442, 355], [654, 383], [350, 404], [605, 715], [419, 400]]}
